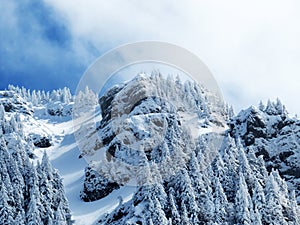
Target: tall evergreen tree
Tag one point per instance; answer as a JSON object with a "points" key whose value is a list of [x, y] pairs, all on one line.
{"points": [[184, 215], [174, 214], [273, 208], [184, 191], [33, 214], [295, 211], [243, 203], [220, 203], [59, 197], [256, 217], [59, 216], [2, 112], [258, 196], [6, 213], [20, 219], [158, 214], [202, 186], [244, 167]]}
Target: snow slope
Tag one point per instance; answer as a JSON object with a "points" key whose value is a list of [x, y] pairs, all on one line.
{"points": [[63, 155]]}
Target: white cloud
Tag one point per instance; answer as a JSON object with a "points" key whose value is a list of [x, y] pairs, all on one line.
{"points": [[251, 47]]}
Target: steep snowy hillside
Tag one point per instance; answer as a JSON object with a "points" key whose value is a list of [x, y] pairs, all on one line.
{"points": [[44, 122], [30, 193]]}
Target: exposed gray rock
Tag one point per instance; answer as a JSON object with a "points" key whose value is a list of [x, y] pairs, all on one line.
{"points": [[43, 142], [96, 186], [273, 135], [12, 102]]}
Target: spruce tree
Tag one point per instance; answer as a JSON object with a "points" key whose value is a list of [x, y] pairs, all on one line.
{"points": [[174, 214], [20, 219], [2, 112], [184, 215], [158, 214], [33, 214], [243, 203], [220, 203], [256, 217], [258, 196], [59, 197], [59, 216], [273, 209], [294, 214], [6, 213], [184, 191], [46, 167], [261, 106], [202, 189]]}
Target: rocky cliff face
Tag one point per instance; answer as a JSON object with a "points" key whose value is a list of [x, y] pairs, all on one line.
{"points": [[149, 121], [270, 132]]}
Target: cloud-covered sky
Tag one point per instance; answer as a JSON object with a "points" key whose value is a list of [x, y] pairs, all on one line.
{"points": [[251, 47]]}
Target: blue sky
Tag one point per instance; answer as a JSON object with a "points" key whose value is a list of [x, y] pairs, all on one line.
{"points": [[37, 47], [251, 47]]}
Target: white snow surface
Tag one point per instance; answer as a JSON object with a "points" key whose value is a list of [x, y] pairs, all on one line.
{"points": [[63, 155]]}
